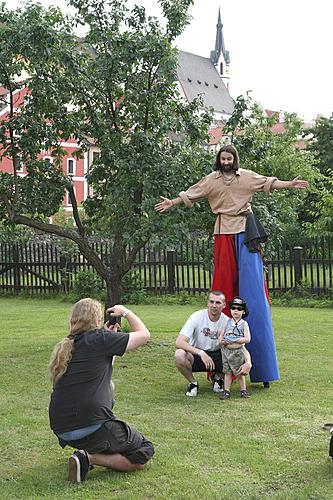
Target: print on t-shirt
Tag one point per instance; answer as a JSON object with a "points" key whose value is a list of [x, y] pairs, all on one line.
{"points": [[212, 334]]}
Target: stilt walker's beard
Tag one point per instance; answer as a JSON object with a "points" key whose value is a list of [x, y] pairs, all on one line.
{"points": [[227, 168]]}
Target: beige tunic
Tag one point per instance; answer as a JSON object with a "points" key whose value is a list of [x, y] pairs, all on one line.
{"points": [[230, 200]]}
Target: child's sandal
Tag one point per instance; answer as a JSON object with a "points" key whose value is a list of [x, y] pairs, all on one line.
{"points": [[225, 395], [244, 394]]}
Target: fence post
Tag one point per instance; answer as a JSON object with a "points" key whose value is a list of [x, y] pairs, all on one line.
{"points": [[17, 279], [64, 274], [171, 270], [298, 265]]}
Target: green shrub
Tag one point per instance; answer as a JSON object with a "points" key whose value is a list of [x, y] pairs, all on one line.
{"points": [[88, 284]]}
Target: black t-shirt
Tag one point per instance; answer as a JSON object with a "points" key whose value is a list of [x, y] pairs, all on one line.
{"points": [[83, 395]]}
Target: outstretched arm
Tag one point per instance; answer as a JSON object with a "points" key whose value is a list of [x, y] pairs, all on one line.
{"points": [[166, 203], [296, 183]]}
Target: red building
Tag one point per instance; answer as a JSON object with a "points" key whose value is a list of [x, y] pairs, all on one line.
{"points": [[76, 168]]}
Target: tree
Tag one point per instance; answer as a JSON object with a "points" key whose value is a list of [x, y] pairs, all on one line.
{"points": [[321, 207], [115, 88]]}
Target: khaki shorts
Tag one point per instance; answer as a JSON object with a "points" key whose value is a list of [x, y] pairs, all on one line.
{"points": [[232, 359]]}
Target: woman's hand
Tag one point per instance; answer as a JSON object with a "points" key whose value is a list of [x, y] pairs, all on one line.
{"points": [[117, 310], [111, 328], [164, 205]]}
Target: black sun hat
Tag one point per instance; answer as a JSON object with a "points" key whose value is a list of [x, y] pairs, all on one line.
{"points": [[238, 301]]}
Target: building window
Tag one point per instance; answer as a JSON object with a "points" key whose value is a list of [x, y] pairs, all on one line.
{"points": [[68, 199], [70, 166], [19, 168], [96, 156], [221, 68]]}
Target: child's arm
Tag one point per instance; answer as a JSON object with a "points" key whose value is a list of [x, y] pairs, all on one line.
{"points": [[221, 337], [247, 334]]}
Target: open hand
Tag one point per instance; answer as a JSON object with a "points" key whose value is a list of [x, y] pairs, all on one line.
{"points": [[297, 183], [208, 362], [244, 369], [164, 205]]}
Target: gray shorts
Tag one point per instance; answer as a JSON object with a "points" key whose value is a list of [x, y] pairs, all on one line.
{"points": [[115, 436], [232, 359]]}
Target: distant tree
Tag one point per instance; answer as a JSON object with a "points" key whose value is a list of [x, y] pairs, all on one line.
{"points": [[115, 88], [320, 208]]}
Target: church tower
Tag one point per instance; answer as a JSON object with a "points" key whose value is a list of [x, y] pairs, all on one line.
{"points": [[220, 56]]}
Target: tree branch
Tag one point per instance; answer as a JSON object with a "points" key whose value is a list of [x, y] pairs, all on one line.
{"points": [[76, 215], [86, 250]]}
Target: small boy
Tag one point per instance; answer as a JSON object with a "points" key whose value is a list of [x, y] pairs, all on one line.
{"points": [[235, 334]]}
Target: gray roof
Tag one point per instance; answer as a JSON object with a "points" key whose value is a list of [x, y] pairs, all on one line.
{"points": [[198, 76]]}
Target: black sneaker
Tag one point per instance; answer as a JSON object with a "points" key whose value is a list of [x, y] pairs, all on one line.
{"points": [[78, 466], [192, 389]]}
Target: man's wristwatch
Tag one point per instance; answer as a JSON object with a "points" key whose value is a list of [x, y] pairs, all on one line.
{"points": [[125, 313]]}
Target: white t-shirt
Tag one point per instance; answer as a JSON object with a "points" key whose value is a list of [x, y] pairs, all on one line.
{"points": [[202, 332]]}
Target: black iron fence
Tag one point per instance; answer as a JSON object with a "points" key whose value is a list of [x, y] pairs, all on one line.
{"points": [[43, 268]]}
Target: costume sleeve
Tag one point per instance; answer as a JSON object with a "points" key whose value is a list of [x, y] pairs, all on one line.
{"points": [[262, 183], [195, 193]]}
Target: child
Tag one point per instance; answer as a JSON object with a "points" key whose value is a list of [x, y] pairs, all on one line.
{"points": [[235, 334]]}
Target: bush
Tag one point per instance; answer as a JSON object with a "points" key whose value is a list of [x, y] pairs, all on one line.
{"points": [[89, 284]]}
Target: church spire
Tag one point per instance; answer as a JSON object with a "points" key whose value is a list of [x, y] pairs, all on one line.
{"points": [[219, 44]]}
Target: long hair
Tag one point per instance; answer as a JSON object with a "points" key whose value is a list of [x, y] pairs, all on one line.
{"points": [[228, 148], [85, 316]]}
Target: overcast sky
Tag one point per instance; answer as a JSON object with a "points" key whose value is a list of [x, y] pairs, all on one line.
{"points": [[281, 50]]}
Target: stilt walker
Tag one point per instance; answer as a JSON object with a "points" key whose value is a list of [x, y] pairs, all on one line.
{"points": [[238, 267]]}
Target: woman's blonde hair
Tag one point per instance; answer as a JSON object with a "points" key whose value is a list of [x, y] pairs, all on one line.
{"points": [[86, 315]]}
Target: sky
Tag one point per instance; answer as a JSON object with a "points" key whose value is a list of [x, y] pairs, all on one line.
{"points": [[279, 50]]}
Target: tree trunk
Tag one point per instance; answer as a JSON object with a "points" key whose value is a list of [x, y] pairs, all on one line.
{"points": [[113, 295]]}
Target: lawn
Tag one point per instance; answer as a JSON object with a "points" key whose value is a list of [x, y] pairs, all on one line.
{"points": [[270, 446]]}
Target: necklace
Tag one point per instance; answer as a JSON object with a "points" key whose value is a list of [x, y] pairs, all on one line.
{"points": [[227, 180]]}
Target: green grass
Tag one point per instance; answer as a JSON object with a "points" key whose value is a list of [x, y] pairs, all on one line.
{"points": [[270, 446]]}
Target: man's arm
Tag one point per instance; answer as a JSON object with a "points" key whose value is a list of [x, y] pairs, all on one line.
{"points": [[296, 183], [166, 203], [182, 342], [245, 368], [140, 334]]}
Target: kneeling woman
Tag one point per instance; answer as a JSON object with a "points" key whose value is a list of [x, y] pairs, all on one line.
{"points": [[81, 404]]}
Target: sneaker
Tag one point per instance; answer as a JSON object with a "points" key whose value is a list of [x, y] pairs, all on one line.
{"points": [[225, 395], [192, 389], [218, 385], [244, 394], [78, 466]]}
